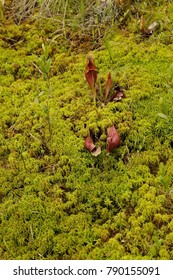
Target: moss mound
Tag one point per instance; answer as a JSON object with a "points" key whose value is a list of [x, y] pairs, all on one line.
{"points": [[57, 201]]}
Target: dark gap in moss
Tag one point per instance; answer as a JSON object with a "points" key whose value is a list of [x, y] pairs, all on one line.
{"points": [[154, 168], [95, 136], [163, 159]]}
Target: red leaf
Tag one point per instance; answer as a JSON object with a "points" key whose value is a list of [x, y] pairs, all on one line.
{"points": [[89, 145], [91, 72], [108, 86], [118, 94], [113, 139]]}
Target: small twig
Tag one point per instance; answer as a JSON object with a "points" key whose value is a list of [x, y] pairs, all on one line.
{"points": [[35, 138], [40, 255], [32, 235], [56, 37], [57, 31], [37, 67], [64, 15]]}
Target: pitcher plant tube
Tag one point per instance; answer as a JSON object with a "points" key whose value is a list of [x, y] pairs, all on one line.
{"points": [[113, 139]]}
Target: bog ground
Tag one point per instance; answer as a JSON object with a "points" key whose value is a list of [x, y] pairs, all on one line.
{"points": [[57, 200]]}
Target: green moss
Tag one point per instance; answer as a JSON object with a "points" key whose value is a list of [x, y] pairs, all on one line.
{"points": [[57, 201]]}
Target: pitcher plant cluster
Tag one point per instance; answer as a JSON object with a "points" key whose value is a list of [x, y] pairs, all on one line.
{"points": [[110, 93]]}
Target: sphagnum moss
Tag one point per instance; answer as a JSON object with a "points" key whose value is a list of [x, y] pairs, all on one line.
{"points": [[56, 200]]}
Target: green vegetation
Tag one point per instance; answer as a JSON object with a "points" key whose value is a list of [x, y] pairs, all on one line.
{"points": [[57, 201]]}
